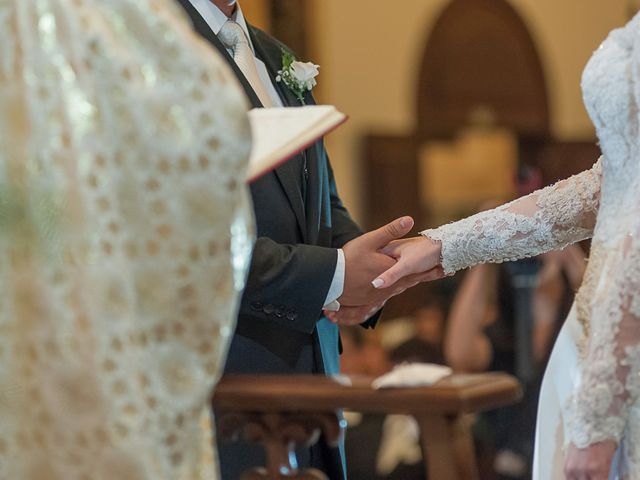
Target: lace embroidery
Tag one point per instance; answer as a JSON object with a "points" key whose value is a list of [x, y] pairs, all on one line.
{"points": [[558, 217], [610, 366]]}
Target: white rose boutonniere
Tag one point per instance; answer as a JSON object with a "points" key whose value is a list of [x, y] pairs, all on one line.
{"points": [[299, 77]]}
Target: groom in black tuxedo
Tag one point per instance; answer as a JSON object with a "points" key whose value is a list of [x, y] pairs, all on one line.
{"points": [[309, 256]]}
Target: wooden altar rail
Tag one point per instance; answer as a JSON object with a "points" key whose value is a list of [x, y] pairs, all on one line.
{"points": [[283, 411]]}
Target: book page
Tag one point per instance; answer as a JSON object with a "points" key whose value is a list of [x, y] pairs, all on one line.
{"points": [[280, 133]]}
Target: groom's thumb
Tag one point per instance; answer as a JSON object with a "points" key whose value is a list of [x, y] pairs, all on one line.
{"points": [[391, 231]]}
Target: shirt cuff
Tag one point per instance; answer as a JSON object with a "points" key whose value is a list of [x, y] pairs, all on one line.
{"points": [[337, 285]]}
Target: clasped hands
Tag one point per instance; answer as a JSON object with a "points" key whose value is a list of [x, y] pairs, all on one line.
{"points": [[381, 264]]}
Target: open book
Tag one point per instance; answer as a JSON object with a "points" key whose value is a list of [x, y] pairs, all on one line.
{"points": [[280, 133]]}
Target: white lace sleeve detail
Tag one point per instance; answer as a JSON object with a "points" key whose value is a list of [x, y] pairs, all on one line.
{"points": [[548, 219], [610, 370]]}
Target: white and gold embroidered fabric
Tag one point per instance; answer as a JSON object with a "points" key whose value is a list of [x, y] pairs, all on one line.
{"points": [[603, 203], [125, 236]]}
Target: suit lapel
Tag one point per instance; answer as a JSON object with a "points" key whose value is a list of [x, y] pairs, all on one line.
{"points": [[289, 172], [271, 54], [313, 204]]}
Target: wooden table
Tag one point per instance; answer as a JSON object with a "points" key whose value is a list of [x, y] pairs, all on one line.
{"points": [[279, 411]]}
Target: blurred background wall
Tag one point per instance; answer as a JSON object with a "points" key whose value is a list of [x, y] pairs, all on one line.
{"points": [[370, 52]]}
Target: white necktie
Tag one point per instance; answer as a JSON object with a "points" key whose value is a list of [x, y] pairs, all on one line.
{"points": [[233, 37]]}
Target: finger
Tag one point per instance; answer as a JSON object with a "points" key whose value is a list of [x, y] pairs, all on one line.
{"points": [[414, 279], [394, 274], [391, 231], [351, 319], [342, 316], [358, 315], [376, 309], [572, 474], [331, 316], [434, 274], [578, 474], [394, 249], [351, 316]]}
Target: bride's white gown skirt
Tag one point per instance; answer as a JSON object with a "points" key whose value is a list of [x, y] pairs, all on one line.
{"points": [[559, 381]]}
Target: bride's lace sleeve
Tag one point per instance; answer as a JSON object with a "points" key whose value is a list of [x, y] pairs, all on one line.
{"points": [[548, 219], [610, 371]]}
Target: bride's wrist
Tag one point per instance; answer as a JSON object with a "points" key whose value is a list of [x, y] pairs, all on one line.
{"points": [[435, 250]]}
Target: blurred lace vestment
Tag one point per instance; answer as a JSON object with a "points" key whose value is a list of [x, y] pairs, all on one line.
{"points": [[124, 239]]}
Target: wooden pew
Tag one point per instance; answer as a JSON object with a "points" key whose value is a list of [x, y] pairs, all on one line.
{"points": [[282, 412]]}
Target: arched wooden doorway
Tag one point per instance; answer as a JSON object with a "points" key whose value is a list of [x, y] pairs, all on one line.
{"points": [[480, 60]]}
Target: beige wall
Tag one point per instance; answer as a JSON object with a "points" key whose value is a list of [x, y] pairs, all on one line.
{"points": [[258, 12], [369, 59]]}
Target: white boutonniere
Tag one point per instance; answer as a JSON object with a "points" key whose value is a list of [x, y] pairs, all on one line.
{"points": [[299, 77]]}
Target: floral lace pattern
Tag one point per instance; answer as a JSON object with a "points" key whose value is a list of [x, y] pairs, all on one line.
{"points": [[124, 239], [546, 220], [610, 379]]}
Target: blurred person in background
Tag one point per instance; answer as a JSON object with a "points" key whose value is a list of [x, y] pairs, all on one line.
{"points": [[425, 343], [362, 353], [480, 327], [482, 336]]}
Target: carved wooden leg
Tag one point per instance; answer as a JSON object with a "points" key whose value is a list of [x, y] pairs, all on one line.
{"points": [[280, 434], [447, 447]]}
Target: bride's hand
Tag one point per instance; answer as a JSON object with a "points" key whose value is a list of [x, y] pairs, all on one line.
{"points": [[413, 256], [592, 463]]}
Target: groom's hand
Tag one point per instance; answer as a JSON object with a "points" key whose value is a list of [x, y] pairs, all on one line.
{"points": [[355, 315], [364, 261], [350, 316]]}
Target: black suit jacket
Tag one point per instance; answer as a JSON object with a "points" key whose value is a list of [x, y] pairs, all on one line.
{"points": [[295, 254]]}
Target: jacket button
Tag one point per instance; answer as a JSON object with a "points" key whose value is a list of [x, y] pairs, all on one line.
{"points": [[268, 309], [291, 315], [257, 306]]}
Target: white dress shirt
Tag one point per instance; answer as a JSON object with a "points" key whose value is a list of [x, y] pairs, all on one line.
{"points": [[215, 18]]}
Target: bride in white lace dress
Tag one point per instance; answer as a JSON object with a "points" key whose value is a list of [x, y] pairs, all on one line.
{"points": [[589, 414], [124, 239]]}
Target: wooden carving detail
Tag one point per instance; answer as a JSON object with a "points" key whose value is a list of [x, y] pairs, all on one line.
{"points": [[280, 434]]}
